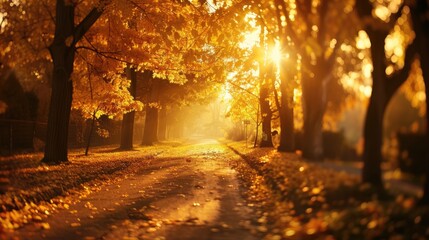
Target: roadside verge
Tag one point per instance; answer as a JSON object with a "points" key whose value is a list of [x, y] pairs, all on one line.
{"points": [[307, 201]]}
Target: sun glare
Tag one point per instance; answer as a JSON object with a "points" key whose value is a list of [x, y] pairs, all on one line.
{"points": [[225, 91], [277, 54]]}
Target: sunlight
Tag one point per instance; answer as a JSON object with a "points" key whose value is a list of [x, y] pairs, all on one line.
{"points": [[251, 38], [362, 41], [367, 69], [225, 94], [385, 8], [3, 22], [166, 111], [276, 53], [297, 94], [353, 82]]}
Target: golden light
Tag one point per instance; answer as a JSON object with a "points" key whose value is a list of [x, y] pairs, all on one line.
{"points": [[292, 12], [382, 12], [367, 68], [225, 94], [3, 22], [276, 54], [297, 94], [251, 38], [366, 90], [362, 41], [385, 8], [421, 96]]}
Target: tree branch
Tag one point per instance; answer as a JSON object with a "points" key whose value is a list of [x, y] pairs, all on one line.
{"points": [[88, 21], [323, 12], [304, 10], [400, 76]]}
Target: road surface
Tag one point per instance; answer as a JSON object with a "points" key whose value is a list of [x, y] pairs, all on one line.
{"points": [[187, 192]]}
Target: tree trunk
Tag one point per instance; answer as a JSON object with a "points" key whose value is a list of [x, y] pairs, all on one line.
{"points": [[62, 52], [373, 129], [180, 127], [264, 102], [151, 126], [150, 133], [314, 105], [371, 172], [383, 88], [265, 106], [266, 115], [255, 143], [425, 68], [127, 128], [162, 124], [421, 29], [91, 130], [62, 87], [287, 129]]}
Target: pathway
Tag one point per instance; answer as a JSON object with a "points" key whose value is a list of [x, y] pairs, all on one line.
{"points": [[190, 192]]}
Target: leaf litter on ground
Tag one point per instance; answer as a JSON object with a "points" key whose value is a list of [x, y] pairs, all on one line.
{"points": [[301, 200], [293, 198], [32, 190]]}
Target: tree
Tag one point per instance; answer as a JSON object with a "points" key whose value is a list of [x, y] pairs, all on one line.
{"points": [[265, 76], [162, 123], [309, 46], [170, 96], [150, 133], [308, 33], [127, 129], [244, 103], [286, 107], [419, 10], [62, 51], [136, 34], [287, 86], [383, 87]]}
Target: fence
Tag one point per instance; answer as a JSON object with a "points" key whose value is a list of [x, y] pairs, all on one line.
{"points": [[24, 136], [21, 135]]}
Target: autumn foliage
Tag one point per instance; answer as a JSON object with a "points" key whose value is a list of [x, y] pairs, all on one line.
{"points": [[285, 71]]}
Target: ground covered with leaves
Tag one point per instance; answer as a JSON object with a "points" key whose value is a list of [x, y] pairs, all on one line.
{"points": [[30, 191], [301, 200], [288, 197], [167, 191]]}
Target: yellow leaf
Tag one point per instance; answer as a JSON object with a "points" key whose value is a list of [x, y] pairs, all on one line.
{"points": [[75, 224], [372, 224], [45, 226]]}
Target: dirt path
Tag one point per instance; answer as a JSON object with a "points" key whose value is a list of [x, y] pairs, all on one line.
{"points": [[189, 192]]}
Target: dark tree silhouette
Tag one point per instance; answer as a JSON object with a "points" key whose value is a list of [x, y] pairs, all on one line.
{"points": [[383, 89], [127, 129], [419, 10], [62, 50]]}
